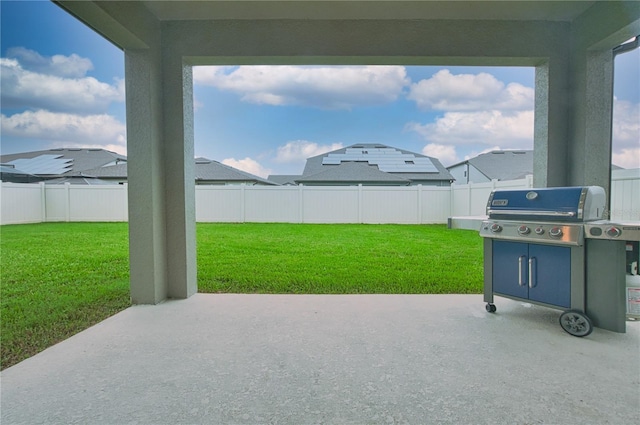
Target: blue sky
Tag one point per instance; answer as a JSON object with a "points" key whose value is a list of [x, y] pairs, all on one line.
{"points": [[63, 86]]}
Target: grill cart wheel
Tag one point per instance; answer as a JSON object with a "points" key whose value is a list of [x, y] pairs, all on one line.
{"points": [[491, 308], [576, 323]]}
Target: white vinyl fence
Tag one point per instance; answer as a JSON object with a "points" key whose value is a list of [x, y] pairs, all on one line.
{"points": [[35, 203]]}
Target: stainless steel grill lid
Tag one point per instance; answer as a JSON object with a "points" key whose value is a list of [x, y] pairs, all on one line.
{"points": [[565, 204]]}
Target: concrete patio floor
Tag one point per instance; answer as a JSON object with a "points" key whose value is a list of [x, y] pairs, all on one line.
{"points": [[316, 359]]}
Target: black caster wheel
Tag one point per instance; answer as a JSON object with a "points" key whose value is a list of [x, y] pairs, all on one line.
{"points": [[491, 308], [576, 323]]}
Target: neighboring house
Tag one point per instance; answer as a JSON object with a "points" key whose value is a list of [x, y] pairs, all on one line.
{"points": [[213, 172], [99, 166], [74, 165], [495, 165], [372, 165], [207, 171]]}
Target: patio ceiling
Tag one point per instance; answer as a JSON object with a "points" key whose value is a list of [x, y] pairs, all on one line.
{"points": [[354, 9]]}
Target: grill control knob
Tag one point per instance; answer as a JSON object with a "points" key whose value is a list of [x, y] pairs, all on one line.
{"points": [[555, 232], [614, 232], [524, 230], [539, 231], [496, 228]]}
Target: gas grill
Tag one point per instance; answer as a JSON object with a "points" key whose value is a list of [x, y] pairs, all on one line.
{"points": [[535, 250]]}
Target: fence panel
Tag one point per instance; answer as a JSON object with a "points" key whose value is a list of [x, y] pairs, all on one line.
{"points": [[625, 195], [389, 205], [219, 204], [435, 204], [98, 203], [32, 203], [272, 204], [57, 202], [21, 203], [334, 204]]}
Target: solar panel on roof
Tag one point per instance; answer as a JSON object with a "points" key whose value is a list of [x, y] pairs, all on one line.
{"points": [[387, 159], [44, 164]]}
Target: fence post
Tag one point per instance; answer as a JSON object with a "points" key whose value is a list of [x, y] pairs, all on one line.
{"points": [[529, 178], [469, 198], [419, 190], [125, 201], [360, 203], [300, 203], [243, 201], [67, 212], [43, 202]]}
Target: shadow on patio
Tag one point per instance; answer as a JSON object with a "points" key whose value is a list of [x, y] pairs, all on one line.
{"points": [[357, 359]]}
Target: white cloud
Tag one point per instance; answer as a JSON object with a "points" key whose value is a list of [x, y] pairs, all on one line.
{"points": [[445, 153], [66, 129], [626, 124], [22, 88], [468, 92], [300, 150], [478, 110], [513, 130], [327, 87], [72, 66], [627, 158], [248, 165]]}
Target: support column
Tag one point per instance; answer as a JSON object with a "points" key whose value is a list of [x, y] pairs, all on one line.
{"points": [[162, 243], [590, 151], [551, 123], [179, 165], [145, 169]]}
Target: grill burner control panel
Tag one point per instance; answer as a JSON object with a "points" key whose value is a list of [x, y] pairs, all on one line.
{"points": [[625, 231], [537, 232]]}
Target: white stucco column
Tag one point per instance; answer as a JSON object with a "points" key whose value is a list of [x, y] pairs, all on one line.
{"points": [[162, 241], [590, 151], [147, 223], [179, 173], [551, 123]]}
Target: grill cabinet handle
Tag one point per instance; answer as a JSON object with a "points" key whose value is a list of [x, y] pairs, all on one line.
{"points": [[520, 280], [533, 212], [531, 267]]}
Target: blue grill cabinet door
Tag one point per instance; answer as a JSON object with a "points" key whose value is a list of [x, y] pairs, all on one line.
{"points": [[551, 273], [510, 262]]}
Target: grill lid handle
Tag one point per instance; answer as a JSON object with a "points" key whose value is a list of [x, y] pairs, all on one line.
{"points": [[535, 213]]}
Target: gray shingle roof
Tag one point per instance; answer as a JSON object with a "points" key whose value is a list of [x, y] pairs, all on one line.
{"points": [[314, 166], [216, 171], [353, 172], [504, 165], [284, 179], [118, 171], [110, 165], [81, 159], [206, 170]]}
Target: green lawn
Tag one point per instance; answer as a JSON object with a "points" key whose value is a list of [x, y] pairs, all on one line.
{"points": [[60, 278], [338, 259]]}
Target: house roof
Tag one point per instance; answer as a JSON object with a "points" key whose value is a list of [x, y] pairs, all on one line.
{"points": [[210, 170], [205, 170], [353, 172], [502, 165], [101, 163], [116, 171], [284, 179], [62, 162], [397, 164]]}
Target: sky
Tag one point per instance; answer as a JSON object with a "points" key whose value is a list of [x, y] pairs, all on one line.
{"points": [[62, 85]]}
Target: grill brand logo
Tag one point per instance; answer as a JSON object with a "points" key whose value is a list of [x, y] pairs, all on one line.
{"points": [[500, 202]]}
